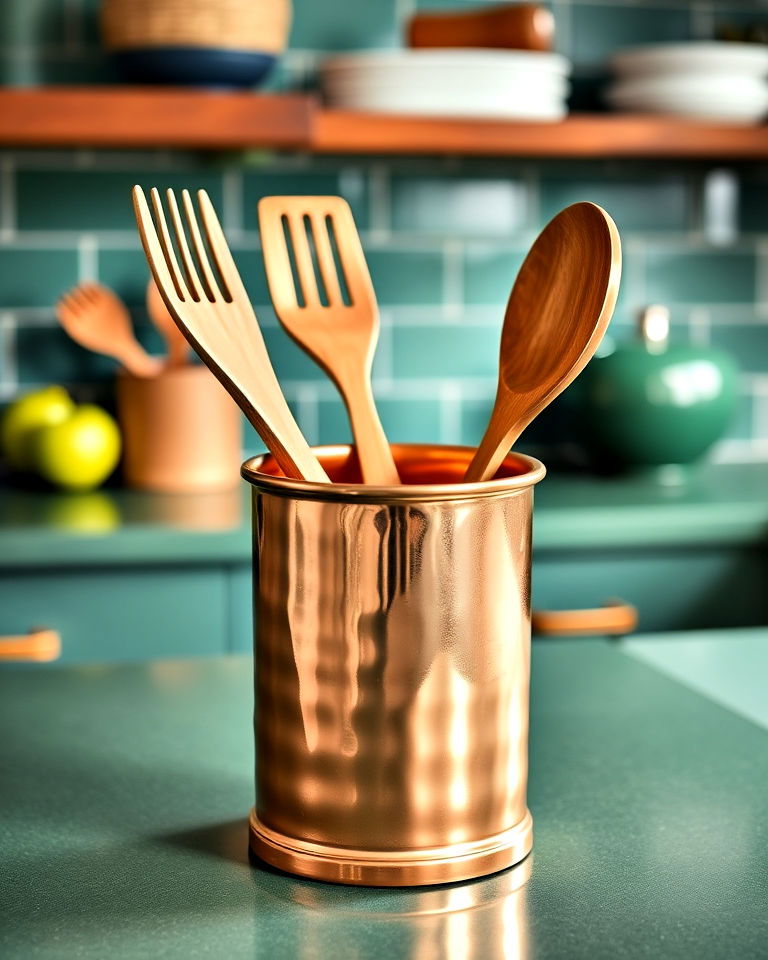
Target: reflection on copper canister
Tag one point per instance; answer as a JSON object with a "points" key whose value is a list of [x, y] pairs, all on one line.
{"points": [[392, 670]]}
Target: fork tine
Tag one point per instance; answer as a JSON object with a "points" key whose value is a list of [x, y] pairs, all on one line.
{"points": [[211, 284], [152, 249], [303, 259], [167, 247], [219, 247], [325, 260], [193, 280], [65, 304]]}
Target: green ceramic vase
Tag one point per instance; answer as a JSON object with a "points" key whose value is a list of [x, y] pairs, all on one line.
{"points": [[649, 404]]}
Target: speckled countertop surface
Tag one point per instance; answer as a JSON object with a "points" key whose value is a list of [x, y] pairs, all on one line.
{"points": [[123, 833]]}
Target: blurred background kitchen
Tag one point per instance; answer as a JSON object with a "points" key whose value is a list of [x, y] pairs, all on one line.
{"points": [[657, 491]]}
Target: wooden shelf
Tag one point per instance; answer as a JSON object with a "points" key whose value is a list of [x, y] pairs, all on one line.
{"points": [[588, 135], [119, 117]]}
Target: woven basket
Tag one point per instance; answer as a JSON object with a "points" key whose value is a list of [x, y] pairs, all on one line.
{"points": [[261, 25]]}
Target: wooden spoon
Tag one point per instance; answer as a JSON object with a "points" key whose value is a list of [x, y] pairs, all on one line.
{"points": [[175, 341], [98, 320], [558, 311]]}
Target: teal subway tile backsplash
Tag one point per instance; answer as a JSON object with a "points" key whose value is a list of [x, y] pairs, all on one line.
{"points": [[289, 360], [35, 276], [654, 203], [348, 183], [415, 420], [599, 29], [45, 354], [125, 270], [489, 272], [344, 26], [449, 205], [748, 343], [406, 276], [700, 276], [444, 237], [94, 199], [446, 350]]}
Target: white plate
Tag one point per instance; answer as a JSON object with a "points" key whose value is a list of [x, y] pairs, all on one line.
{"points": [[746, 59], [455, 103], [704, 108], [696, 88], [395, 62], [338, 87]]}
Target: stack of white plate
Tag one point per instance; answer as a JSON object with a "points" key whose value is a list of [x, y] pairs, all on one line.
{"points": [[713, 81], [501, 84]]}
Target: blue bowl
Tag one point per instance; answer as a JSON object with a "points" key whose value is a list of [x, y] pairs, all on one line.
{"points": [[194, 66]]}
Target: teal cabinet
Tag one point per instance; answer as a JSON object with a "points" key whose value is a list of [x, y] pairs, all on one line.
{"points": [[173, 577], [122, 614], [672, 588], [241, 609]]}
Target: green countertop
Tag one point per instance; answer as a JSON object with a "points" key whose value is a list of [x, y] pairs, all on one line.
{"points": [[125, 788], [720, 505]]}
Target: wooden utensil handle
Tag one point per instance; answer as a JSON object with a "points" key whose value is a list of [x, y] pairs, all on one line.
{"points": [[37, 646], [615, 618], [376, 461]]}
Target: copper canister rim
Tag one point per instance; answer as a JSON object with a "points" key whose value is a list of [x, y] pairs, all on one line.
{"points": [[457, 457]]}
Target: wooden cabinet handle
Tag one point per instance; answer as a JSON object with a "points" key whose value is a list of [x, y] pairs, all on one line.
{"points": [[612, 619], [37, 646]]}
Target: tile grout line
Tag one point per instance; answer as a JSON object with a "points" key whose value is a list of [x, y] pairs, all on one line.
{"points": [[87, 259], [761, 272], [450, 398], [232, 201], [379, 202], [452, 281], [699, 331], [385, 352], [307, 412], [10, 379], [7, 199]]}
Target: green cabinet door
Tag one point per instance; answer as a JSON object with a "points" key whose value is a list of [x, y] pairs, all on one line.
{"points": [[121, 614], [673, 588]]}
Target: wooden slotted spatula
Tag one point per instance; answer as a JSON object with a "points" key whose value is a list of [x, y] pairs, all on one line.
{"points": [[217, 318], [558, 311], [338, 331]]}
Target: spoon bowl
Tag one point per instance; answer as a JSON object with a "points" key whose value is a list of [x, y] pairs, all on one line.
{"points": [[558, 311]]}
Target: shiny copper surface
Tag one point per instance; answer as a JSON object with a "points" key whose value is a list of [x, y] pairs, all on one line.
{"points": [[392, 668]]}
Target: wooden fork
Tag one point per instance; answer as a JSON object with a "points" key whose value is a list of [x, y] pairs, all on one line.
{"points": [[98, 320], [217, 318], [341, 337]]}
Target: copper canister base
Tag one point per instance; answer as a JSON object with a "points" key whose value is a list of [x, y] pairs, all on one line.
{"points": [[407, 868]]}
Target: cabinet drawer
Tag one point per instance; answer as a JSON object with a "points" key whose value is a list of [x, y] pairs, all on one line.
{"points": [[673, 589], [120, 615]]}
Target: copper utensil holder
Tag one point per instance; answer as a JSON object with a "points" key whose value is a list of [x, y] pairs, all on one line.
{"points": [[392, 658], [182, 431]]}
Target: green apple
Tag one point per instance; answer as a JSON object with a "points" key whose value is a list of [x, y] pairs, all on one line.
{"points": [[26, 416], [80, 452]]}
